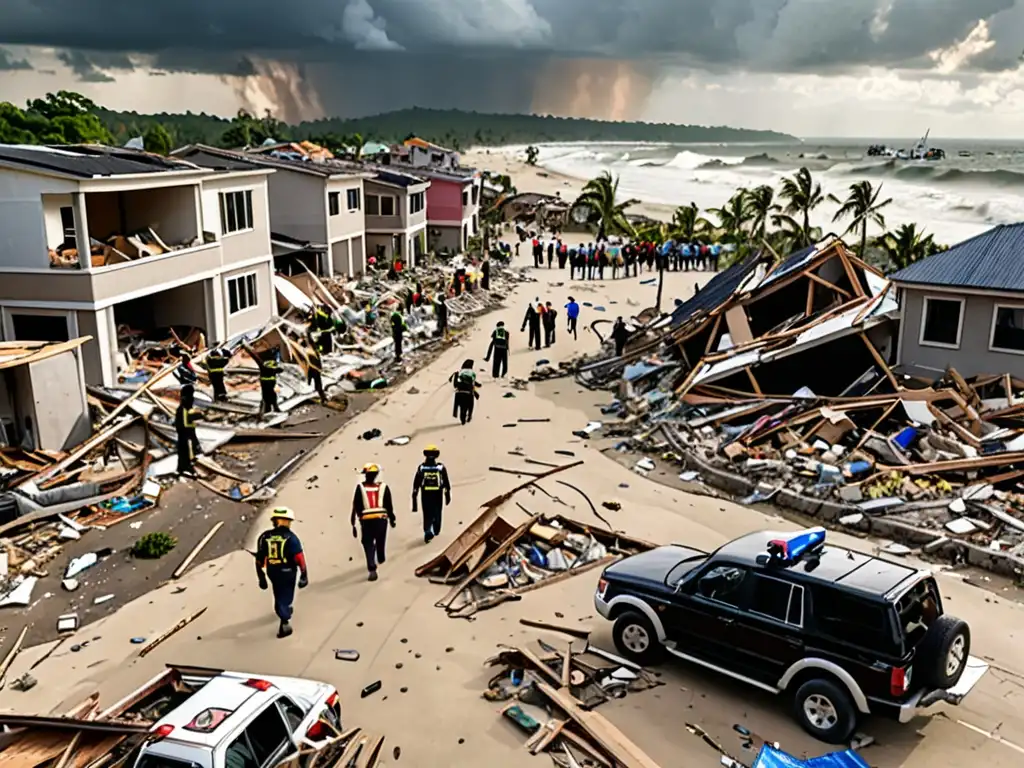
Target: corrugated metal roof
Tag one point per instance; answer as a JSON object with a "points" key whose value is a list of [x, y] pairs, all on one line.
{"points": [[718, 289], [88, 160], [993, 260]]}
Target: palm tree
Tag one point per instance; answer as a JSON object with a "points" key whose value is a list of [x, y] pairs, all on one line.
{"points": [[863, 205], [802, 195], [688, 224], [761, 206], [733, 218], [599, 196], [907, 245]]}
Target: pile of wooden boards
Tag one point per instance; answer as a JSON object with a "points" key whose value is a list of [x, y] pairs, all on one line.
{"points": [[551, 697]]}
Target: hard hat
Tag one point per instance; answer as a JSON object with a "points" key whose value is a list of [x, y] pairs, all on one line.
{"points": [[431, 449], [282, 513], [370, 468]]}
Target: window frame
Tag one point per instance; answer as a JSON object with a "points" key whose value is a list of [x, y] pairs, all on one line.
{"points": [[742, 589], [992, 329], [376, 200], [243, 278], [394, 205], [222, 201], [789, 602], [333, 203], [358, 198], [421, 197], [926, 299]]}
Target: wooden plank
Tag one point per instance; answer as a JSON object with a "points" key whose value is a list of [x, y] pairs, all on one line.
{"points": [[180, 570], [12, 654], [809, 308], [753, 381], [540, 666], [553, 732], [579, 634], [850, 273], [714, 334], [880, 361], [739, 326], [172, 631], [604, 734], [827, 284], [961, 465], [567, 665], [445, 601], [93, 442], [585, 746]]}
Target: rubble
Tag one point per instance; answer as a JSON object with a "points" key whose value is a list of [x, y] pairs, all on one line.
{"points": [[776, 375]]}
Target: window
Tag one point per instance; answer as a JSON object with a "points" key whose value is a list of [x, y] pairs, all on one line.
{"points": [[352, 198], [235, 211], [387, 205], [67, 223], [40, 327], [778, 600], [372, 205], [852, 620], [723, 584], [416, 202], [333, 203], [476, 193], [465, 197], [293, 715], [1007, 329], [941, 322], [242, 293], [476, 225], [267, 735]]}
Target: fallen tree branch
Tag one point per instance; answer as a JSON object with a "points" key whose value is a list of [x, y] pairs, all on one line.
{"points": [[592, 507]]}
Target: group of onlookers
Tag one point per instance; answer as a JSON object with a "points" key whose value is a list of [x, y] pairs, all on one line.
{"points": [[590, 261]]}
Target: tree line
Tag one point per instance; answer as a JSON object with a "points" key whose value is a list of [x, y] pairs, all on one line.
{"points": [[763, 218]]}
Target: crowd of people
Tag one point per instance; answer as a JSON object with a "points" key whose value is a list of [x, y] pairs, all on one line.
{"points": [[589, 261]]}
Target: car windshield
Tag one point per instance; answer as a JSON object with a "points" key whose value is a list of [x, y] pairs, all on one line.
{"points": [[159, 761], [683, 568], [918, 610]]}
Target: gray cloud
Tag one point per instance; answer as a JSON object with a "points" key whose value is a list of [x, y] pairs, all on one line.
{"points": [[8, 63], [93, 66]]}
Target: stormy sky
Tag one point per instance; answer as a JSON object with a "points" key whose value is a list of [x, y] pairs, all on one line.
{"points": [[810, 67]]}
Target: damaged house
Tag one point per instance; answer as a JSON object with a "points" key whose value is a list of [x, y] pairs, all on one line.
{"points": [[120, 245]]}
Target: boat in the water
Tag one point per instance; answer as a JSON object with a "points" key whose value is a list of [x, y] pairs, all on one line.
{"points": [[920, 151]]}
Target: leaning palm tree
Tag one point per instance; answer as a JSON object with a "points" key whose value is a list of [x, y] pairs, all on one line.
{"points": [[906, 245], [733, 218], [761, 205], [863, 205], [802, 195], [599, 197], [687, 224]]}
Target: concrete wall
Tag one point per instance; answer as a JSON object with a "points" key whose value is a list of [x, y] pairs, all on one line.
{"points": [[169, 211], [973, 356], [298, 205], [359, 254], [52, 219], [58, 400], [447, 237], [253, 317], [23, 231], [347, 222], [341, 257], [418, 219], [184, 305], [239, 246], [373, 240], [392, 223]]}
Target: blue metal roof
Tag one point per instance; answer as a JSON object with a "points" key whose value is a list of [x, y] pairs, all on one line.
{"points": [[993, 260], [791, 263], [718, 290]]}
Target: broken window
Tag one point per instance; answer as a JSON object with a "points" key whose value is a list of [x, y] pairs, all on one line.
{"points": [[242, 293], [1008, 329], [352, 198], [941, 321], [334, 203], [236, 211]]}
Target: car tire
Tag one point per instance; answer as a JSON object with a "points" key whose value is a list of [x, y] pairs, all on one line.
{"points": [[826, 711], [944, 651], [636, 639]]}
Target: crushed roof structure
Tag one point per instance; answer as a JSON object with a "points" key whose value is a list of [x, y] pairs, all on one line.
{"points": [[993, 260], [89, 161], [15, 353]]}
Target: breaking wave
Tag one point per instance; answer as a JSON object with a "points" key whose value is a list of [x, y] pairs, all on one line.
{"points": [[687, 160], [932, 174]]}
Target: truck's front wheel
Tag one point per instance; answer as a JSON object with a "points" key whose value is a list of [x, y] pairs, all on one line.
{"points": [[636, 639]]}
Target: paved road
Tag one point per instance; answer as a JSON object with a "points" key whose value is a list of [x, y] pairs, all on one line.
{"points": [[394, 622]]}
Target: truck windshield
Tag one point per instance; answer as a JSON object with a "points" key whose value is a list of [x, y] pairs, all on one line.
{"points": [[681, 569]]}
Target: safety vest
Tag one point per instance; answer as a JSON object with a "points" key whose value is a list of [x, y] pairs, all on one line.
{"points": [[216, 364], [431, 474], [373, 501], [465, 380], [276, 549], [268, 371], [500, 338], [188, 418]]}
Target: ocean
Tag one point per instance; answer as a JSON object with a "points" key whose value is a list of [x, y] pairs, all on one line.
{"points": [[953, 199]]}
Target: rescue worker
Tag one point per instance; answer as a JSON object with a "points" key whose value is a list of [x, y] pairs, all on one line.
{"points": [[619, 335], [532, 318], [432, 482], [185, 373], [315, 365], [279, 551], [441, 313], [324, 323], [485, 275], [499, 346], [398, 329], [466, 393], [549, 324], [185, 426], [216, 363], [372, 506], [268, 379]]}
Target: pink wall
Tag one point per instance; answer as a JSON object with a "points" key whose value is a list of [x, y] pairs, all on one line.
{"points": [[444, 200]]}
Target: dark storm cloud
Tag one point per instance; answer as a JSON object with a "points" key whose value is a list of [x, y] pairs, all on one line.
{"points": [[93, 66], [778, 35], [8, 63]]}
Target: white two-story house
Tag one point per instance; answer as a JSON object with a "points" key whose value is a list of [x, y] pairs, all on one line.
{"points": [[120, 245]]}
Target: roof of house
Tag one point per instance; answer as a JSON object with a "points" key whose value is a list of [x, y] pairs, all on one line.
{"points": [[216, 159], [719, 289], [993, 260], [89, 161], [278, 157], [395, 178], [415, 141]]}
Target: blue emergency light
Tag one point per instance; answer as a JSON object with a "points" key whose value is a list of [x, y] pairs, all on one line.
{"points": [[793, 547]]}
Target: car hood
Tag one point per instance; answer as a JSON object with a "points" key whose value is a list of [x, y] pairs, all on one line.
{"points": [[653, 566]]}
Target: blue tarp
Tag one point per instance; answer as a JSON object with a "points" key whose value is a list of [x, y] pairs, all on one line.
{"points": [[769, 757]]}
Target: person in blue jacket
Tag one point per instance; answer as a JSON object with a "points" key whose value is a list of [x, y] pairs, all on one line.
{"points": [[572, 313]]}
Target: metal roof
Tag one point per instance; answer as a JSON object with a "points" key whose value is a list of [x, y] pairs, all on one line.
{"points": [[717, 291], [88, 161], [992, 260]]}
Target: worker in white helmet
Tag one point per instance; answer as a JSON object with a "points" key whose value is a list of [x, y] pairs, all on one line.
{"points": [[279, 552]]}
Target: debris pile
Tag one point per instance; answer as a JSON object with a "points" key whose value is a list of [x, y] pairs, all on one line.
{"points": [[551, 698], [779, 373], [118, 249]]}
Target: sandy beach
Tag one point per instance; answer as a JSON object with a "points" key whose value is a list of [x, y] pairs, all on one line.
{"points": [[430, 665]]}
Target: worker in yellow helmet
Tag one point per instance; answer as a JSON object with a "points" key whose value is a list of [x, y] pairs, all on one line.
{"points": [[373, 507], [432, 482], [279, 551]]}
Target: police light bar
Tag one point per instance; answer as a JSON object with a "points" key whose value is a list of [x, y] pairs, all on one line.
{"points": [[791, 548]]}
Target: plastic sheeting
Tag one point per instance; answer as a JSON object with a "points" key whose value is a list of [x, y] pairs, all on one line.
{"points": [[769, 757]]}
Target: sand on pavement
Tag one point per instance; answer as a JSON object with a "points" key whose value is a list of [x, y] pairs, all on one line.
{"points": [[406, 642]]}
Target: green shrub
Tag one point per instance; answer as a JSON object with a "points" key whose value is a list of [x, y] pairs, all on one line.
{"points": [[154, 545]]}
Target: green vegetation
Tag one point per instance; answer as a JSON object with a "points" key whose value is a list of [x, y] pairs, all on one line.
{"points": [[153, 546], [864, 206], [599, 197], [59, 118], [907, 245]]}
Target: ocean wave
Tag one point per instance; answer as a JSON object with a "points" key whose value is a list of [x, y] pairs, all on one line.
{"points": [[932, 173], [689, 161], [762, 160]]}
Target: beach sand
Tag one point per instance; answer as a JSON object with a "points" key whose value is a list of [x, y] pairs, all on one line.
{"points": [[532, 178], [407, 642]]}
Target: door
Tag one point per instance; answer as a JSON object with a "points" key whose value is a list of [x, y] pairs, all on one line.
{"points": [[264, 742], [704, 616], [769, 632]]}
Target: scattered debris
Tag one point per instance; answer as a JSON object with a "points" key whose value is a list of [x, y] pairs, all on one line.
{"points": [[346, 655], [371, 688]]}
